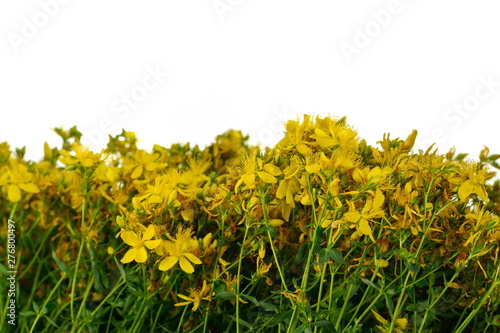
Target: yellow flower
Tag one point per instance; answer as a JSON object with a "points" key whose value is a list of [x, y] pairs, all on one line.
{"points": [[196, 296], [251, 166], [138, 252], [366, 175], [471, 181], [475, 184], [16, 178], [180, 249], [163, 189], [400, 327], [298, 295], [141, 161], [371, 210], [82, 156], [330, 133]]}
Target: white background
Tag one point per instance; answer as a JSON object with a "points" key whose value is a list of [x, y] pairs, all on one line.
{"points": [[389, 66]]}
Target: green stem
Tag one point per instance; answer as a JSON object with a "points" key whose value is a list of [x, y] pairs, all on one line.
{"points": [[271, 242], [305, 277], [239, 277], [179, 326], [399, 304], [75, 274], [115, 288], [382, 292], [346, 300], [40, 312], [479, 305]]}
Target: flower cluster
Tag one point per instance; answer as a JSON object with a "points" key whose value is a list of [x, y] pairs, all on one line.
{"points": [[322, 230]]}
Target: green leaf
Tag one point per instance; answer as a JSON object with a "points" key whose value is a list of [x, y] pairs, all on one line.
{"points": [[104, 278], [51, 322], [120, 267], [337, 257], [268, 307], [302, 253], [95, 270], [61, 265], [371, 284], [496, 321], [225, 295], [389, 303], [279, 318], [242, 322], [27, 313], [326, 325], [251, 299], [412, 267], [300, 329], [326, 254]]}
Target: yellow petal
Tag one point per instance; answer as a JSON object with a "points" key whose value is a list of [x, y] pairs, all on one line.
{"points": [[141, 254], [14, 193], [480, 191], [465, 190], [182, 303], [207, 239], [151, 244], [192, 258], [364, 228], [29, 187], [303, 149], [262, 251], [326, 223], [185, 297], [306, 200], [47, 151], [196, 304], [150, 232], [248, 179], [379, 199], [120, 221], [130, 238], [333, 188], [276, 222], [379, 318], [352, 216], [129, 256], [238, 183], [282, 188], [186, 265], [272, 169], [313, 168], [187, 214], [172, 196], [155, 198], [137, 172], [168, 263], [402, 322], [358, 175], [267, 177]]}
